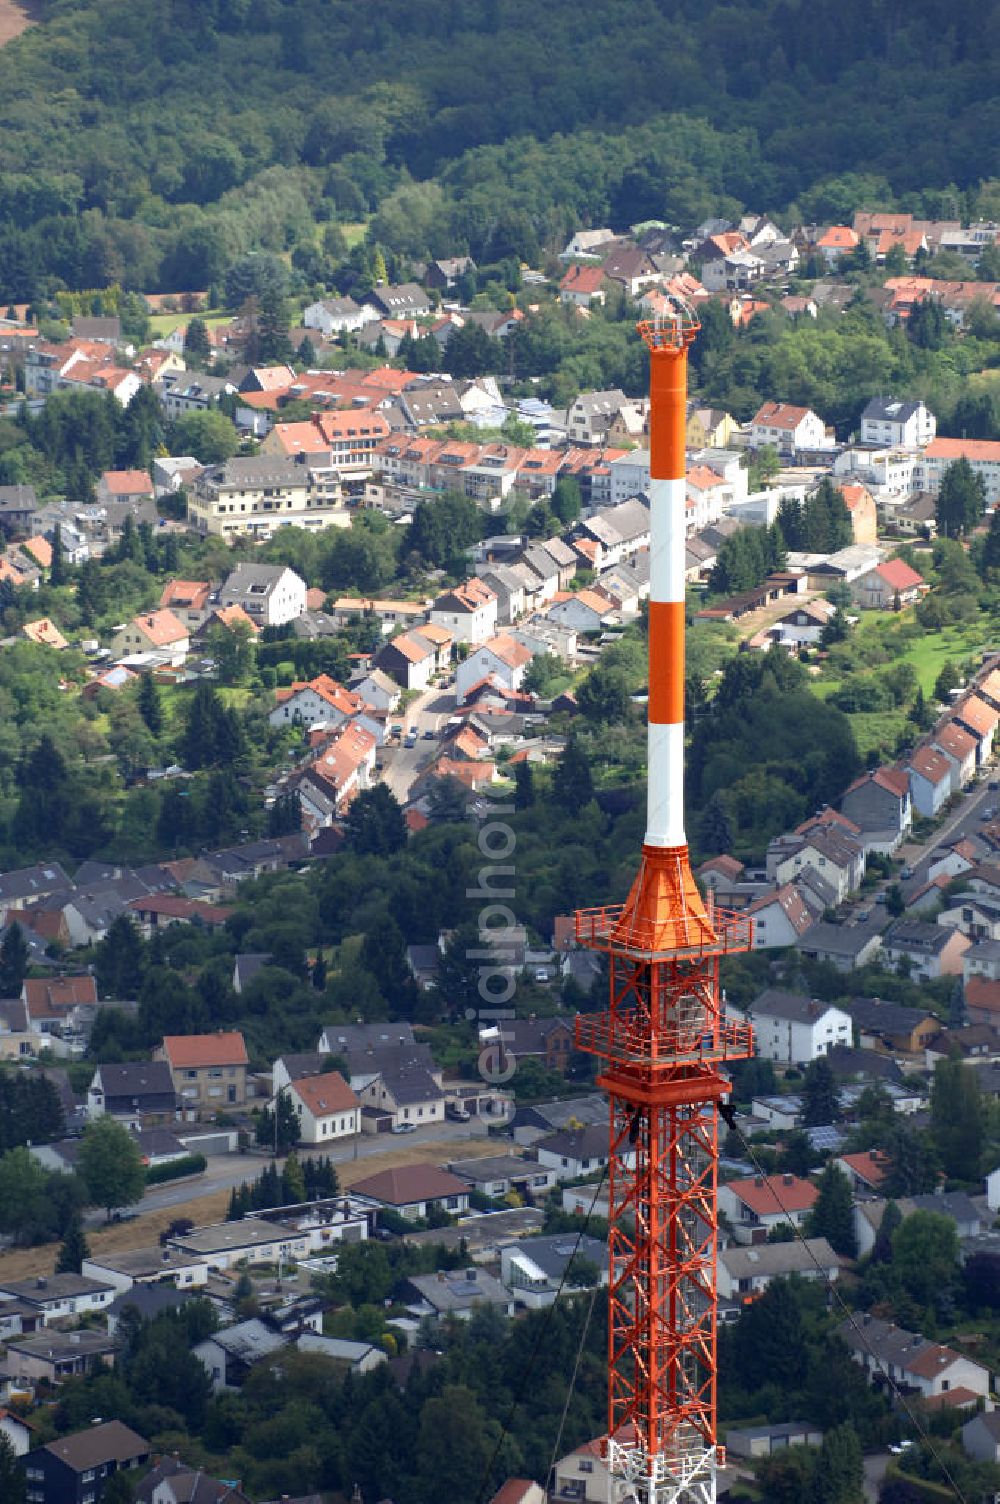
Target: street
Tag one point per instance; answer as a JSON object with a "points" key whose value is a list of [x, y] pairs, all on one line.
{"points": [[401, 763], [227, 1170]]}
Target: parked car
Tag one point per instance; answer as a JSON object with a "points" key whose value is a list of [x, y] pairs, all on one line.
{"points": [[411, 739]]}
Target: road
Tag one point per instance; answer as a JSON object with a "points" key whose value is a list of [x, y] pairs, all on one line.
{"points": [[875, 1465], [227, 1170], [402, 764]]}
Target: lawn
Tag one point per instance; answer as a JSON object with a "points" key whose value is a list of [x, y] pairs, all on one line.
{"points": [[164, 323]]}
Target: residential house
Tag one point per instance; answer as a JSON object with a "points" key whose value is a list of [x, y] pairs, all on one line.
{"points": [[398, 1087], [411, 659], [497, 1175], [835, 853], [159, 910], [981, 1437], [837, 241], [333, 316], [209, 1071], [865, 1170], [158, 632], [979, 717], [860, 503], [45, 633], [229, 1354], [930, 781], [187, 392], [376, 689], [757, 1205], [793, 1029], [52, 1357], [897, 423], [592, 414], [18, 510], [251, 1240], [171, 1481], [500, 659], [314, 701], [547, 1040], [509, 588], [74, 1469], [534, 1271], [459, 1293], [124, 487], [892, 1027], [787, 428], [888, 586], [583, 285], [926, 950], [412, 1190], [468, 612], [326, 1107], [583, 611], [136, 1269], [445, 273], [270, 594], [982, 960], [133, 1093], [982, 454], [745, 1273], [960, 747], [914, 1364], [57, 1297], [255, 495], [878, 803], [189, 600], [407, 300], [632, 268], [573, 1152], [783, 915]]}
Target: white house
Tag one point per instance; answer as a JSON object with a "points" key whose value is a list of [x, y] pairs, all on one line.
{"points": [[913, 1362], [893, 421], [502, 658], [959, 747], [582, 610], [314, 700], [327, 1108], [756, 1205], [930, 781], [468, 612], [338, 316], [794, 1029], [788, 428], [534, 1270], [982, 454], [781, 916], [270, 594], [375, 688], [744, 1273]]}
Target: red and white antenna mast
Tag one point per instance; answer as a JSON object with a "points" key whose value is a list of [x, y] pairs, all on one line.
{"points": [[664, 1043]]}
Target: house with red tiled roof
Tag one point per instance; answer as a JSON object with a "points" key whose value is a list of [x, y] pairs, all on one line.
{"points": [[781, 916], [154, 632], [468, 612], [720, 873], [583, 285], [930, 780], [307, 702], [326, 1108], [977, 716], [864, 514], [209, 1071], [39, 551], [343, 768], [787, 428], [501, 657], [960, 748], [124, 485], [411, 658], [837, 241], [983, 456], [916, 1363], [233, 618], [982, 1001], [156, 911], [45, 633], [188, 600], [865, 1170], [878, 803], [519, 1491], [758, 1204], [888, 586]]}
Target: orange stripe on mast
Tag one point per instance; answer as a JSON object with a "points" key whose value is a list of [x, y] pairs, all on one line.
{"points": [[666, 662], [668, 413]]}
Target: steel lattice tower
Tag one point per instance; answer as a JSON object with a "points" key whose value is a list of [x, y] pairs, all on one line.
{"points": [[664, 1042]]}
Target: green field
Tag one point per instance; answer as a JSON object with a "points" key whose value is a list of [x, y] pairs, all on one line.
{"points": [[163, 323]]}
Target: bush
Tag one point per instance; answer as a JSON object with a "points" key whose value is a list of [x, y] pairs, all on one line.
{"points": [[175, 1169]]}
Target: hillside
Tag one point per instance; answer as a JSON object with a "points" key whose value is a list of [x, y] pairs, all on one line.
{"points": [[141, 137]]}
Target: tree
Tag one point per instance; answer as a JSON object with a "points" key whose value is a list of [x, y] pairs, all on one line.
{"points": [[573, 787], [110, 1166], [196, 339], [74, 1248], [118, 1489], [832, 1215], [375, 824], [925, 1256], [961, 500], [989, 559], [13, 961], [120, 959], [13, 1482], [209, 436], [839, 1474], [715, 832], [957, 1120], [149, 704], [567, 499], [895, 903], [58, 569], [820, 1103], [948, 679], [524, 785], [289, 1126], [913, 1162]]}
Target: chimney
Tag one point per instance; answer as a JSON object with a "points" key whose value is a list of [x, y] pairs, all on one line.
{"points": [[788, 1179]]}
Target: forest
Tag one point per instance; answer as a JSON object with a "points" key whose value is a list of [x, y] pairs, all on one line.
{"points": [[149, 142]]}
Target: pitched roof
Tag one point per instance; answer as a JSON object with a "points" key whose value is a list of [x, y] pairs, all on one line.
{"points": [[161, 628], [196, 1050], [871, 1165], [109, 1442], [982, 994], [583, 279], [44, 632], [780, 415], [405, 1184], [778, 1259], [976, 714], [955, 740], [898, 575], [771, 1195], [931, 765], [127, 482], [325, 1094], [773, 1003], [43, 995], [969, 449], [193, 594]]}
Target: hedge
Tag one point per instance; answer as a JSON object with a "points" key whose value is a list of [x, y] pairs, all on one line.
{"points": [[175, 1169]]}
